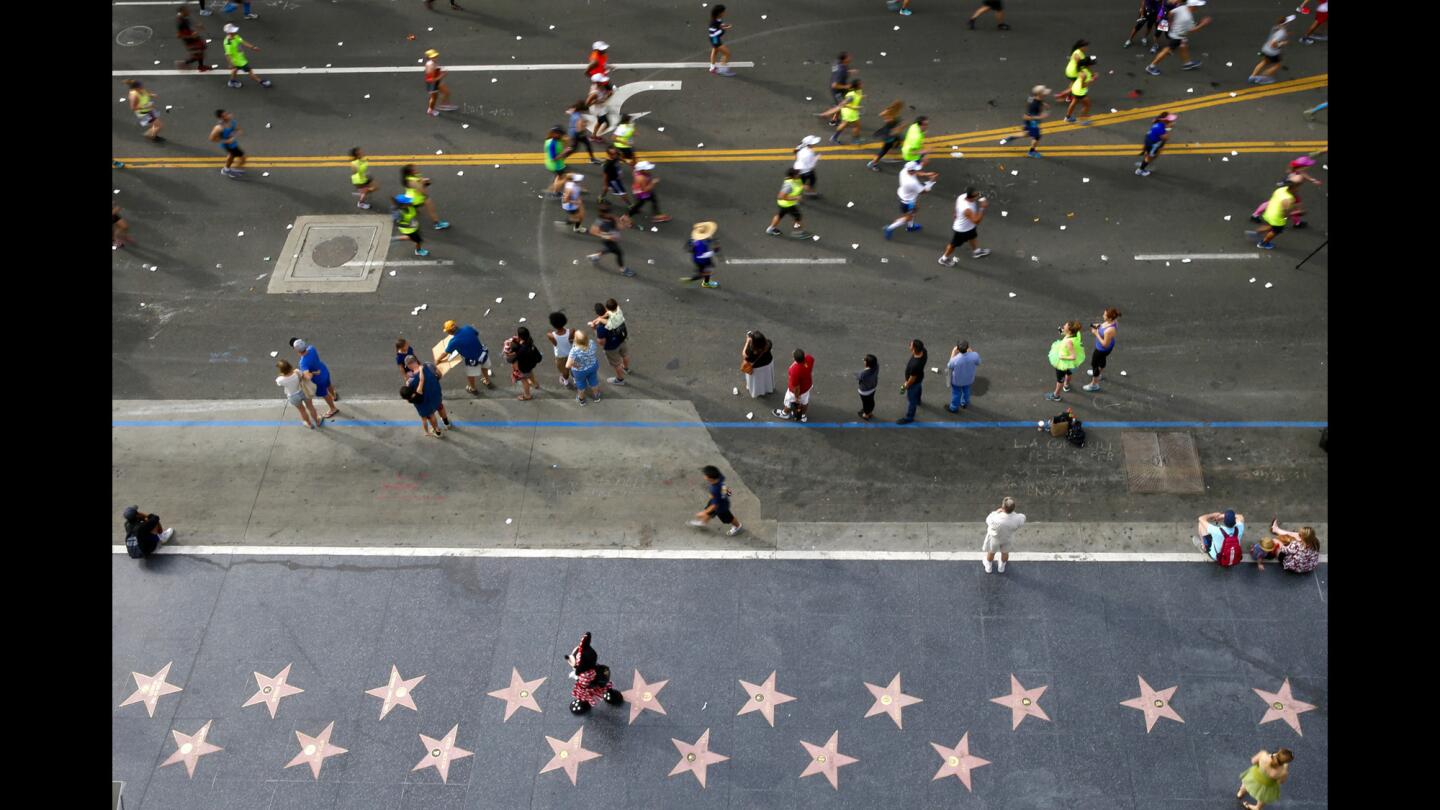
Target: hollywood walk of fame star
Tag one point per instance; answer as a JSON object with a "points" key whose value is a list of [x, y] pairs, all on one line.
{"points": [[190, 747], [958, 761], [568, 755], [440, 753], [520, 694], [1282, 706], [763, 698], [696, 757], [150, 688], [272, 689], [827, 759], [398, 692], [1155, 703], [314, 750], [644, 696], [1022, 702], [890, 700]]}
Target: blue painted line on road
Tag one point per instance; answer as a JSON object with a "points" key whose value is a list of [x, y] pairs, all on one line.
{"points": [[767, 425]]}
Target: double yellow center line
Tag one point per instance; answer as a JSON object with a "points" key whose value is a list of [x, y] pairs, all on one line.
{"points": [[937, 146]]}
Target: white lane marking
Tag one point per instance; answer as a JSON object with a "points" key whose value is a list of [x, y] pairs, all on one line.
{"points": [[401, 263], [617, 100], [1173, 257], [680, 554], [784, 261], [269, 71]]}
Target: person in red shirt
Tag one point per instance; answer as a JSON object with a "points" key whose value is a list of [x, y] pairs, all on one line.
{"points": [[599, 59], [797, 391]]}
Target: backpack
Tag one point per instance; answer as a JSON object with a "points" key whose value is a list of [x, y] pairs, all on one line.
{"points": [[132, 547], [1229, 549], [1076, 433]]}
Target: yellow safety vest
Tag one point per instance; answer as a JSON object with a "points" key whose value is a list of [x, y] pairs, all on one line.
{"points": [[1079, 88], [407, 224]]}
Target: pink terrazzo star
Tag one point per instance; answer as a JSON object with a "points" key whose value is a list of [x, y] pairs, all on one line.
{"points": [[763, 698], [520, 694], [1154, 703], [696, 757], [398, 692], [958, 761], [643, 696], [1022, 702], [440, 753], [190, 747], [569, 755], [272, 690], [315, 750], [150, 688], [1282, 706], [827, 759], [890, 700]]}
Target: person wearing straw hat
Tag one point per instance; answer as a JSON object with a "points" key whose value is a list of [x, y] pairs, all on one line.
{"points": [[1030, 122], [435, 86], [702, 252], [805, 159]]}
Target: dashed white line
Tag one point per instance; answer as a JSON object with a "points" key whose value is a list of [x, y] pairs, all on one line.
{"points": [[321, 71], [784, 261], [1176, 257]]}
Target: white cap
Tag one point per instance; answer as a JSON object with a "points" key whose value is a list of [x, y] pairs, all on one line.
{"points": [[601, 45], [644, 165], [913, 166], [577, 177], [1195, 3], [600, 77], [1289, 19], [809, 140], [232, 28]]}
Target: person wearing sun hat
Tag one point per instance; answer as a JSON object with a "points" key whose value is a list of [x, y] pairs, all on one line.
{"points": [[805, 160], [1155, 140], [599, 58], [435, 85], [702, 251]]}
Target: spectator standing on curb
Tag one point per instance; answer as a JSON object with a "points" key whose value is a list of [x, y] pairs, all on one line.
{"points": [[426, 396], [1219, 536], [141, 538], [289, 382], [1263, 780], [465, 341], [962, 365], [523, 356], [584, 367], [1104, 333], [970, 208], [317, 373], [1000, 527], [914, 384], [867, 379], [758, 364], [801, 378], [612, 341], [559, 337], [719, 505], [1067, 353]]}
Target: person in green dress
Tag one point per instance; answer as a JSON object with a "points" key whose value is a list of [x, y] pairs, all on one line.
{"points": [[1262, 781]]}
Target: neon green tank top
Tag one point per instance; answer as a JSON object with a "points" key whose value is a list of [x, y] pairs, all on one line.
{"points": [[1275, 212]]}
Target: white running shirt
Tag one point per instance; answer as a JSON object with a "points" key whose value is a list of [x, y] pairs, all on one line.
{"points": [[910, 187], [962, 224], [805, 159]]}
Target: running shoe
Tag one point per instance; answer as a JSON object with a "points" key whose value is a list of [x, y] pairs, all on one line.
{"points": [[363, 205], [1190, 65], [1143, 172], [1264, 246], [950, 262], [266, 83], [627, 272], [889, 232], [421, 252], [1003, 27], [1034, 153], [734, 530], [1152, 70], [913, 227], [773, 231], [709, 285], [980, 253], [235, 84], [252, 16], [446, 107], [1051, 396], [442, 225]]}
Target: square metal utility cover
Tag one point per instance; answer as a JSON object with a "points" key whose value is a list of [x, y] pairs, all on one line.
{"points": [[1162, 463], [332, 254]]}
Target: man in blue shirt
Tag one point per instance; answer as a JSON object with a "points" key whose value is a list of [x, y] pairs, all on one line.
{"points": [[962, 366], [1155, 140], [465, 340], [1215, 527], [317, 373], [702, 252], [719, 505]]}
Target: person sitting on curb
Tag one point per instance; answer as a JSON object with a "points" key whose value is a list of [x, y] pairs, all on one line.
{"points": [[1298, 552], [143, 533], [1214, 529]]}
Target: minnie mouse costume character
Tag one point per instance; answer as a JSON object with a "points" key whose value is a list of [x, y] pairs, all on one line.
{"points": [[592, 681]]}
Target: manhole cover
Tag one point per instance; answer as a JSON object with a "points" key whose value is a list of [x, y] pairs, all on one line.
{"points": [[334, 252], [1162, 463], [134, 35]]}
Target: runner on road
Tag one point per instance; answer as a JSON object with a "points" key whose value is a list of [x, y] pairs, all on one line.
{"points": [[555, 159], [613, 183], [643, 187], [849, 112], [227, 133], [1180, 24], [1283, 205], [435, 88], [1155, 140], [608, 231], [1080, 91], [1150, 15], [575, 128], [805, 159], [886, 133], [360, 177], [189, 33], [1034, 114], [623, 140], [571, 202], [913, 148], [599, 59], [407, 222], [1072, 67], [716, 31], [1269, 64], [997, 6], [142, 103], [787, 204], [702, 251], [235, 53], [419, 187], [914, 181], [969, 210]]}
